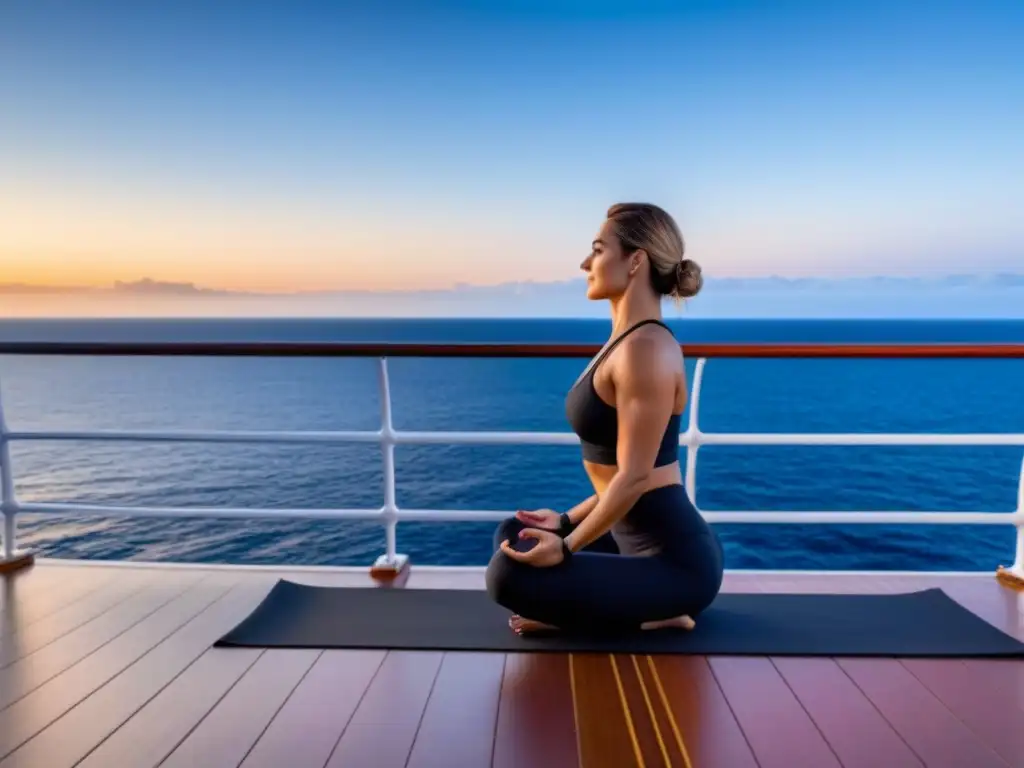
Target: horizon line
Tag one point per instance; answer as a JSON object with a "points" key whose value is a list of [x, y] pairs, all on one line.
{"points": [[159, 287]]}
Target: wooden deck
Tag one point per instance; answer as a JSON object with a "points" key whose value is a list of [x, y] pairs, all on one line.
{"points": [[112, 667]]}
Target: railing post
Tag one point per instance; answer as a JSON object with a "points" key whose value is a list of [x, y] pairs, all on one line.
{"points": [[11, 559], [693, 431], [390, 564], [1014, 575]]}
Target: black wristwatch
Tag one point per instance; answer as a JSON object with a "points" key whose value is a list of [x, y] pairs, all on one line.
{"points": [[565, 525], [566, 552]]}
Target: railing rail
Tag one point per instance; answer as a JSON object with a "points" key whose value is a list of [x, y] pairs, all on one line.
{"points": [[499, 349], [389, 514]]}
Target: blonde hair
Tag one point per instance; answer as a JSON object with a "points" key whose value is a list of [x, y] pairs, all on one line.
{"points": [[642, 226]]}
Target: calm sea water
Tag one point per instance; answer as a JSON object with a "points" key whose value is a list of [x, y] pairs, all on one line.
{"points": [[738, 395]]}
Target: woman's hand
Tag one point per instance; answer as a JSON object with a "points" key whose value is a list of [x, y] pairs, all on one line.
{"points": [[547, 552], [547, 519]]}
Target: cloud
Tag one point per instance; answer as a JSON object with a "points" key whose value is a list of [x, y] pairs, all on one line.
{"points": [[150, 287], [958, 295]]}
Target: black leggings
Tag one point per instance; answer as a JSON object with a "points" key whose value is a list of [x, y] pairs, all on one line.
{"points": [[599, 589]]}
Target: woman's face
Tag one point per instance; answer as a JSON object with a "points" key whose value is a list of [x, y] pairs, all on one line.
{"points": [[607, 267]]}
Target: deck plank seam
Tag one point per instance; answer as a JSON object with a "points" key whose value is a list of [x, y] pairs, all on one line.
{"points": [[627, 713], [871, 701], [1006, 684], [980, 737], [235, 583], [423, 712], [725, 697], [497, 709], [277, 711], [669, 714], [170, 597], [874, 706], [575, 710], [359, 702], [803, 707], [72, 597], [104, 683], [212, 707], [964, 599], [653, 715], [129, 593]]}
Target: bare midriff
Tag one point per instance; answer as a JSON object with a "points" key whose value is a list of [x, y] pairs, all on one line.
{"points": [[601, 476]]}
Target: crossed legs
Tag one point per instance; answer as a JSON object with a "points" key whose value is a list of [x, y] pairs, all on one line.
{"points": [[597, 589]]}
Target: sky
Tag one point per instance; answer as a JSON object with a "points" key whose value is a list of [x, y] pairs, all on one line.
{"points": [[298, 146]]}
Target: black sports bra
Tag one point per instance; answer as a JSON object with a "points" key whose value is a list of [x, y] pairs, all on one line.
{"points": [[596, 423]]}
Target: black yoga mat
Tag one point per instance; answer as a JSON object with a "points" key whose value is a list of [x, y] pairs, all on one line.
{"points": [[925, 623]]}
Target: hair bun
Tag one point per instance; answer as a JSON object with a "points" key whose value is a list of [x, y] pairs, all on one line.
{"points": [[689, 279]]}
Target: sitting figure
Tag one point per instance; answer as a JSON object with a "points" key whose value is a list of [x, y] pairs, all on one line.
{"points": [[637, 554]]}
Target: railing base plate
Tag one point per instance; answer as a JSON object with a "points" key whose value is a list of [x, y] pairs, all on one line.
{"points": [[16, 562], [382, 570], [1009, 578]]}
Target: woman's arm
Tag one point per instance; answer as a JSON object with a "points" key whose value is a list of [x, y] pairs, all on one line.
{"points": [[581, 510], [644, 397]]}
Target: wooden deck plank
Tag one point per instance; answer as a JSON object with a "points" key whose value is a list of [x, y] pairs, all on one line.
{"points": [[31, 630], [225, 736], [34, 669], [703, 718], [992, 709], [652, 727], [856, 731], [984, 597], [73, 736], [382, 730], [35, 592], [391, 708], [155, 730], [33, 599], [303, 734], [934, 733], [47, 575], [459, 722], [536, 726], [32, 713], [776, 725], [605, 725], [992, 714], [990, 601], [1001, 677], [672, 750], [812, 680], [25, 576]]}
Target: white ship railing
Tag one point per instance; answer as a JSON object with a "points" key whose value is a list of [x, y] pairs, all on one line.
{"points": [[390, 514]]}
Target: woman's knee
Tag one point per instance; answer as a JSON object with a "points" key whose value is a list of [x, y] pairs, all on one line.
{"points": [[508, 530], [500, 578]]}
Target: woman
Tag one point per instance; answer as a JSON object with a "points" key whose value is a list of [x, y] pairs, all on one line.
{"points": [[636, 554]]}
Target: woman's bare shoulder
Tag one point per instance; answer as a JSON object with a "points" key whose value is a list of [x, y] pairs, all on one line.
{"points": [[650, 351]]}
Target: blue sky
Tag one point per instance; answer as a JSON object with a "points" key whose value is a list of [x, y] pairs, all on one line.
{"points": [[303, 145]]}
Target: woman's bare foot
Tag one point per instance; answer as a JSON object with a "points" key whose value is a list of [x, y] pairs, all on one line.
{"points": [[679, 622], [523, 626]]}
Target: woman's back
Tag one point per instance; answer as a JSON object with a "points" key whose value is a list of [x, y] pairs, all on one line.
{"points": [[643, 355]]}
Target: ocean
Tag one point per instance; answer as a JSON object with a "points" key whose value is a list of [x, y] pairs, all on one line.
{"points": [[452, 394]]}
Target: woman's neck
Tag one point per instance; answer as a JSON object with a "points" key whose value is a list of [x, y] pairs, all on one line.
{"points": [[630, 309]]}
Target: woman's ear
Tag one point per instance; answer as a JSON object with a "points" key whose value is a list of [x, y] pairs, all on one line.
{"points": [[636, 258]]}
